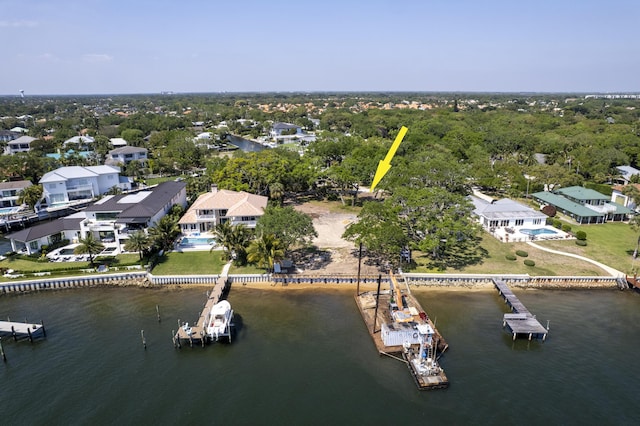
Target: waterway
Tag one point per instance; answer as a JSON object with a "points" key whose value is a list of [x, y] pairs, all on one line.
{"points": [[245, 144], [306, 358]]}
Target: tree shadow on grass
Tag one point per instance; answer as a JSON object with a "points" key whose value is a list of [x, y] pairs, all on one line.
{"points": [[461, 256]]}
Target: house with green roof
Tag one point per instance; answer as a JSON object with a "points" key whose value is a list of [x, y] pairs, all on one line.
{"points": [[584, 205]]}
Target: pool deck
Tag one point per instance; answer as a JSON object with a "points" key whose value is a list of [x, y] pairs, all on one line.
{"points": [[512, 234]]}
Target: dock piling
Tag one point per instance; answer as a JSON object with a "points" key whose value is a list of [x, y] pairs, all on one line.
{"points": [[4, 357], [30, 336], [144, 341], [13, 333], [158, 312], [44, 331]]}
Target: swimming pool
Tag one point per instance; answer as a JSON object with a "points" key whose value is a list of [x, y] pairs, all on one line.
{"points": [[197, 241], [538, 231], [8, 210]]}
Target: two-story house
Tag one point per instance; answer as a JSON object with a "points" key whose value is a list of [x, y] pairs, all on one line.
{"points": [[21, 144], [10, 192], [220, 206], [111, 219], [67, 184], [114, 217], [126, 154], [584, 205]]}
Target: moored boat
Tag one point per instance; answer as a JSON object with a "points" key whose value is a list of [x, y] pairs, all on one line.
{"points": [[219, 321]]}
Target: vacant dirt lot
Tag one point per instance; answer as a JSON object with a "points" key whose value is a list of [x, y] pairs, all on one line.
{"points": [[335, 255]]}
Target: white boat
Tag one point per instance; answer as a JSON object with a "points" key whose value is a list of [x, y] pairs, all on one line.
{"points": [[219, 320]]}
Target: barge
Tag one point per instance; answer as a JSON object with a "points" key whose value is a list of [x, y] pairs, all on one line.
{"points": [[400, 328]]}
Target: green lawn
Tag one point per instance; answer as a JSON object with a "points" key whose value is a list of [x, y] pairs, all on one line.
{"points": [[155, 181], [249, 269], [190, 263], [495, 262], [610, 243]]}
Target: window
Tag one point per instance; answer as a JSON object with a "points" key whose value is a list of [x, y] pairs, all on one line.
{"points": [[110, 177], [537, 221], [519, 222], [504, 223], [493, 223], [247, 218]]}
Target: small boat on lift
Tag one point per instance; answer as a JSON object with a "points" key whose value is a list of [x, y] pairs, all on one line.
{"points": [[219, 321]]}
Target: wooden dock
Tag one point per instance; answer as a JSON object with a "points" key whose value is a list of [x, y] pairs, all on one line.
{"points": [[22, 330], [375, 310], [520, 322], [196, 333]]}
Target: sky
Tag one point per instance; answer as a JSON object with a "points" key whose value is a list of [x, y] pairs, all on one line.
{"points": [[57, 47]]}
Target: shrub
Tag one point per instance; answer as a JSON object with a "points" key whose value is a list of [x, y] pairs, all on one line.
{"points": [[581, 235], [557, 224], [549, 221], [549, 210], [510, 257], [529, 262], [522, 253], [566, 227], [581, 243]]}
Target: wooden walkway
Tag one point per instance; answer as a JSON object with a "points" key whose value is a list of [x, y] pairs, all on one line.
{"points": [[521, 321], [22, 329], [196, 333]]}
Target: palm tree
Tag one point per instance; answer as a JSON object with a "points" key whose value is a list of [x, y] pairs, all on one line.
{"points": [[30, 195], [223, 234], [138, 241], [276, 190], [265, 250], [164, 233], [240, 236], [89, 245]]}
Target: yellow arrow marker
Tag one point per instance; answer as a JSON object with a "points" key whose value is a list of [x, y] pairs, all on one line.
{"points": [[385, 165]]}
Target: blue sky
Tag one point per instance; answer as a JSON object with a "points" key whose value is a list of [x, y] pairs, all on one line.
{"points": [[140, 46]]}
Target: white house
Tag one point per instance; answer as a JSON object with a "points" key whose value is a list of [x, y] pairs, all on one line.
{"points": [[21, 144], [67, 184], [79, 141], [617, 196], [30, 240], [506, 219], [111, 219], [126, 154], [114, 217], [220, 206], [10, 192], [118, 142]]}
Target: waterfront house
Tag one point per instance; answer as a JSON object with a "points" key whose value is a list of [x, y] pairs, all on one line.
{"points": [[111, 219], [220, 206], [10, 192], [75, 183], [114, 217], [504, 218], [30, 240], [584, 205], [118, 142]]}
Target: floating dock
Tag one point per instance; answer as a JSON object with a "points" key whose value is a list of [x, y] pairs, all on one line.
{"points": [[196, 334], [396, 317], [22, 330], [521, 322]]}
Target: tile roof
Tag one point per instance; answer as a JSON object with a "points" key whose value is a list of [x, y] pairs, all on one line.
{"points": [[236, 203]]}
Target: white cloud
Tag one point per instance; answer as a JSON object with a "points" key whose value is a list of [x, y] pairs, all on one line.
{"points": [[97, 57], [18, 24]]}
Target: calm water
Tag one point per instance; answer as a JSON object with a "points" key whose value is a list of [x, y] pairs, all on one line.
{"points": [[245, 144], [306, 358]]}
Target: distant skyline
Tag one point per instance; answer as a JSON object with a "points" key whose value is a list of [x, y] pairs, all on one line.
{"points": [[115, 47]]}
